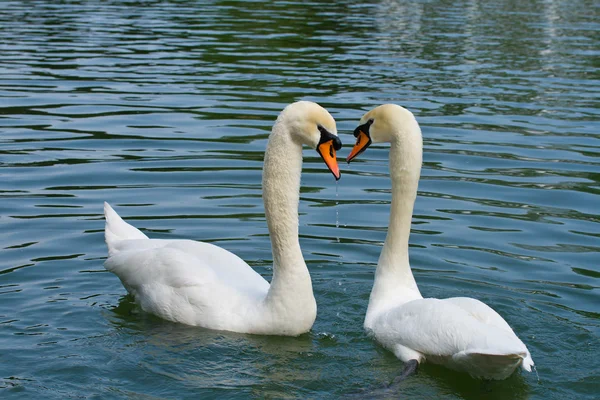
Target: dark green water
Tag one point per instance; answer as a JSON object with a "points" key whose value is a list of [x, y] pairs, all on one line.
{"points": [[163, 109]]}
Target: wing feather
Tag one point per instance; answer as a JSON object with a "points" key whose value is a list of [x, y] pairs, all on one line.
{"points": [[440, 328]]}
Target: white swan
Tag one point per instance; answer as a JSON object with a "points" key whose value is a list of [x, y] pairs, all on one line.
{"points": [[461, 333], [204, 285]]}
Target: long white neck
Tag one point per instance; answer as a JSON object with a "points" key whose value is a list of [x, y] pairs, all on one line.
{"points": [[291, 286], [394, 282]]}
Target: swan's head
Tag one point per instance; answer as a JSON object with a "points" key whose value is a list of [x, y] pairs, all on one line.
{"points": [[382, 124], [312, 125]]}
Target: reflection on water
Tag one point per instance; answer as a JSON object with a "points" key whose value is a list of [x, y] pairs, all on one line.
{"points": [[164, 109]]}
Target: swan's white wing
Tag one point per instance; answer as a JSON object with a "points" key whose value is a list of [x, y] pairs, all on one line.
{"points": [[480, 311], [442, 331], [489, 316], [195, 262], [186, 281]]}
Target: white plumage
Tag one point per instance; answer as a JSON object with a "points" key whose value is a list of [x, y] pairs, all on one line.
{"points": [[461, 333]]}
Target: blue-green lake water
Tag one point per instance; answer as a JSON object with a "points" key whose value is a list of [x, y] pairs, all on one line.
{"points": [[163, 108]]}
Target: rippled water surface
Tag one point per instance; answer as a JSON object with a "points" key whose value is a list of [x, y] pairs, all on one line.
{"points": [[163, 109]]}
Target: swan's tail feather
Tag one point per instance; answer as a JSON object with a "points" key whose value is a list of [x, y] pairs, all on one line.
{"points": [[116, 229], [527, 363], [492, 366]]}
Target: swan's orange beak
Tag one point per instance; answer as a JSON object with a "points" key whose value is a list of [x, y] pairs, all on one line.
{"points": [[327, 152], [362, 142]]}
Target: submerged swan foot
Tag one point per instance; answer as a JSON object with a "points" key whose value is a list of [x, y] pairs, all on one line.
{"points": [[386, 391], [409, 368]]}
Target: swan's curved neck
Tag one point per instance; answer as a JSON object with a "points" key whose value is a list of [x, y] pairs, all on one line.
{"points": [[281, 191], [394, 282], [404, 172]]}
